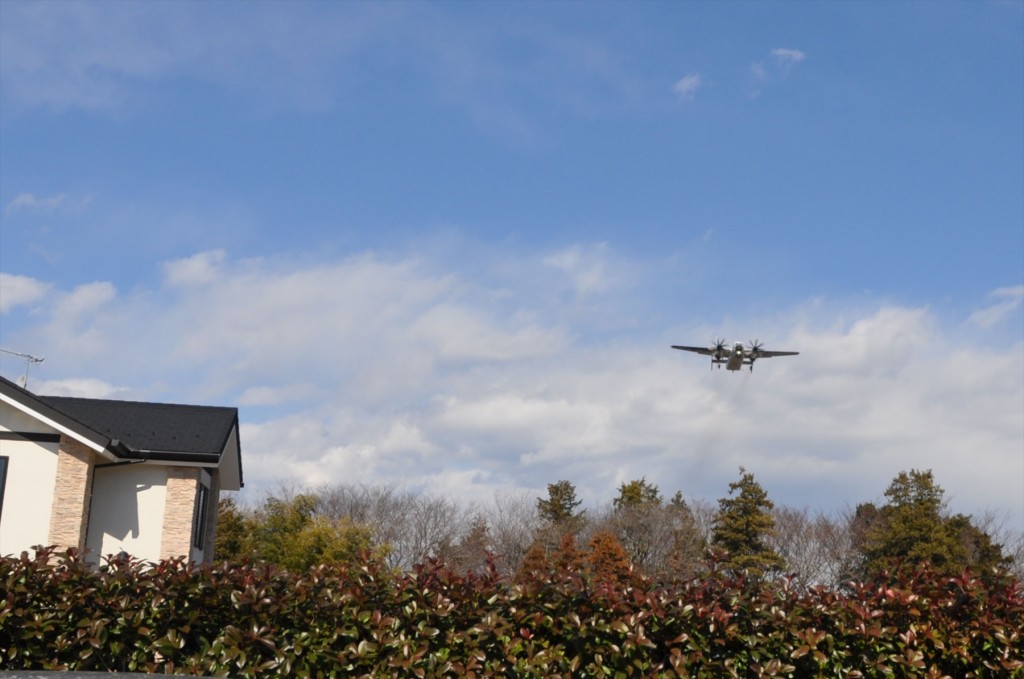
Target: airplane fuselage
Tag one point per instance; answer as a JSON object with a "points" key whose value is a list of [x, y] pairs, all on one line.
{"points": [[733, 360]]}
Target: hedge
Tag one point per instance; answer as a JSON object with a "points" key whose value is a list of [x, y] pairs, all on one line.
{"points": [[252, 620]]}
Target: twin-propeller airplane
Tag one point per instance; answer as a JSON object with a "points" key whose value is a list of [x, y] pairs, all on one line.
{"points": [[736, 356]]}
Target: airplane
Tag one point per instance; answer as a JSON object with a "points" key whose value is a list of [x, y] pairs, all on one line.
{"points": [[737, 356]]}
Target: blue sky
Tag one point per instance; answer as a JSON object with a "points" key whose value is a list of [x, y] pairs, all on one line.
{"points": [[448, 244]]}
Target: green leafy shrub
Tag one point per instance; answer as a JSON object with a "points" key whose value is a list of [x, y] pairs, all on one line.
{"points": [[251, 620]]}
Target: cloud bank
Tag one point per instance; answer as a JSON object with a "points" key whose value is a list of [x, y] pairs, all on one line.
{"points": [[397, 369]]}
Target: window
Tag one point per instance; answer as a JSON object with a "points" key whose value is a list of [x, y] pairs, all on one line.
{"points": [[3, 482], [199, 526]]}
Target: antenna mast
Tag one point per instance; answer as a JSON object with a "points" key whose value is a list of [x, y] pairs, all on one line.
{"points": [[29, 360]]}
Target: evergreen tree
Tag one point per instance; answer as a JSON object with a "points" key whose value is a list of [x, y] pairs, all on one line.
{"points": [[561, 504], [742, 527], [234, 532], [607, 561], [637, 493], [912, 527], [568, 557]]}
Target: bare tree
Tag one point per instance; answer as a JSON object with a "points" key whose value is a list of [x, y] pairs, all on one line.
{"points": [[410, 526], [513, 522], [815, 546]]}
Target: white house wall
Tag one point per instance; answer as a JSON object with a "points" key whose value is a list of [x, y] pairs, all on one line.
{"points": [[127, 511], [28, 492]]}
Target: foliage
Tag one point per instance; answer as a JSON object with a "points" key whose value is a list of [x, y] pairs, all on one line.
{"points": [[665, 540], [606, 562], [470, 553], [366, 620], [288, 533], [743, 526], [234, 531], [687, 545], [637, 493], [561, 504], [911, 528]]}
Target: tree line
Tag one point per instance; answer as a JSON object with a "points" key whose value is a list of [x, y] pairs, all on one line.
{"points": [[640, 531]]}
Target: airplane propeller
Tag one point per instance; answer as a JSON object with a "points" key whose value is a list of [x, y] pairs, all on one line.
{"points": [[755, 349], [717, 349]]}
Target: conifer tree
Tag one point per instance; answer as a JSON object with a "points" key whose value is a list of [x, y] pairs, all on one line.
{"points": [[607, 560], [637, 493], [912, 528], [235, 526], [561, 503], [742, 527]]}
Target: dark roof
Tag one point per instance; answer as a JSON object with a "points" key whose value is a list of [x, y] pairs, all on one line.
{"points": [[153, 427], [136, 430]]}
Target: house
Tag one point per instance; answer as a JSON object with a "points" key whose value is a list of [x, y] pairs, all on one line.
{"points": [[110, 476]]}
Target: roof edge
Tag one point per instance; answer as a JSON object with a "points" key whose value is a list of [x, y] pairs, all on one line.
{"points": [[27, 402]]}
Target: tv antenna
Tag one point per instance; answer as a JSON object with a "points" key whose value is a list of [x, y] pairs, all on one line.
{"points": [[29, 360]]}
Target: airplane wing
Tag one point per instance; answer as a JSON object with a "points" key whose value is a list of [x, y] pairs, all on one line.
{"points": [[761, 353], [697, 350]]}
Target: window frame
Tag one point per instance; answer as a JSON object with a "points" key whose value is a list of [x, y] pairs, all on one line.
{"points": [[200, 514], [5, 463]]}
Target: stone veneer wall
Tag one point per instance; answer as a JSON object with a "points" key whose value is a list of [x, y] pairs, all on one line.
{"points": [[182, 484], [69, 516]]}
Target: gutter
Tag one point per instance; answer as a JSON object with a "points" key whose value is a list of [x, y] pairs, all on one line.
{"points": [[118, 448]]}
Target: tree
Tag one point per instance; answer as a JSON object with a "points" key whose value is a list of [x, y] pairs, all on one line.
{"points": [[743, 526], [513, 524], [644, 527], [913, 527], [288, 532], [983, 554], [688, 545], [324, 540], [607, 561], [637, 493], [470, 553], [277, 522], [561, 503], [234, 532]]}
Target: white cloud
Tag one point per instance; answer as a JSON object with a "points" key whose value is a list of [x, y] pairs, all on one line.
{"points": [[60, 203], [459, 334], [105, 57], [1009, 300], [20, 290], [32, 202], [199, 269], [781, 61], [277, 395], [79, 388], [687, 86], [84, 301], [97, 55], [587, 266], [369, 369], [787, 57]]}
